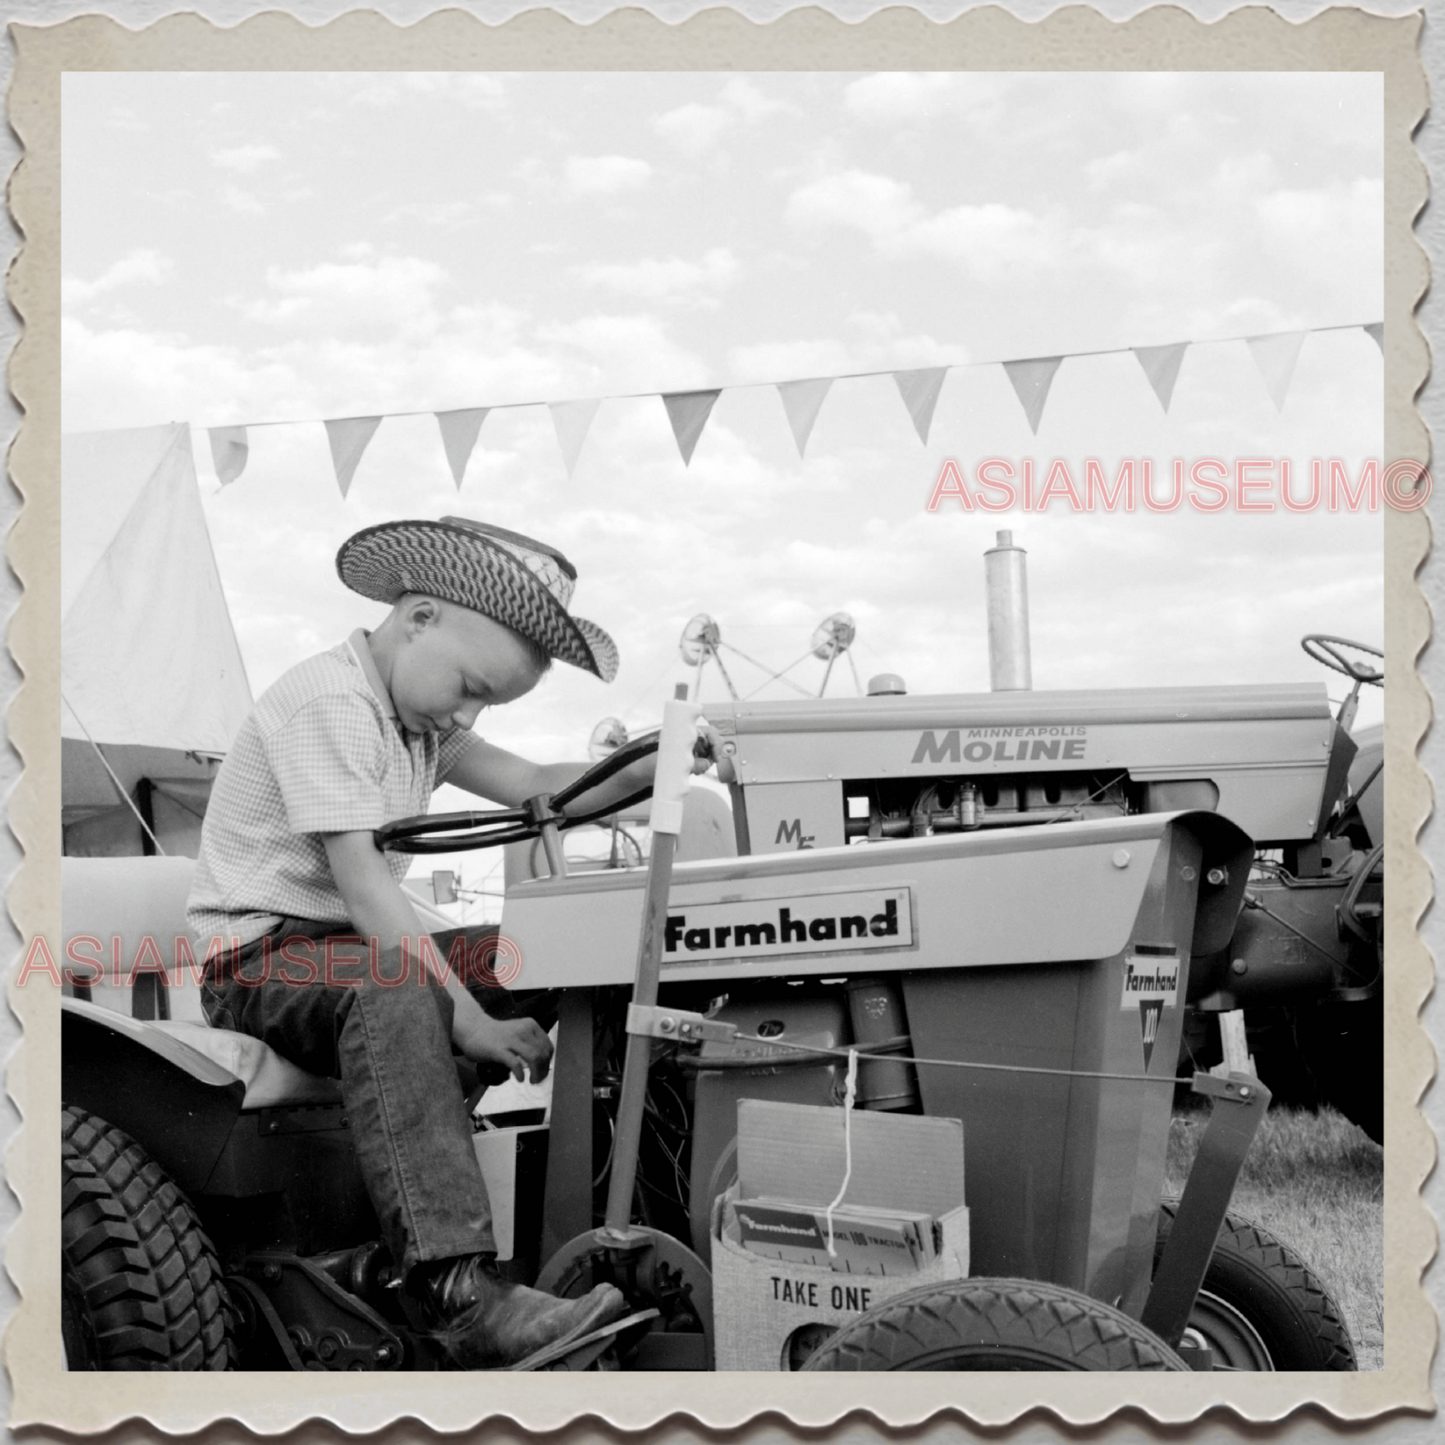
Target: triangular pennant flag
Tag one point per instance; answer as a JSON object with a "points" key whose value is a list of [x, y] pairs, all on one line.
{"points": [[230, 451], [572, 419], [348, 437], [1031, 381], [1275, 356], [1161, 366], [688, 412], [802, 400], [459, 437], [919, 390], [1377, 331]]}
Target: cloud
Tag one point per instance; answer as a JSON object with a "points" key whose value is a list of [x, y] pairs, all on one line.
{"points": [[604, 175], [894, 97], [752, 103], [145, 266], [449, 214], [694, 127], [878, 344], [128, 376], [900, 95], [983, 239], [364, 293], [242, 200], [1305, 223], [620, 353], [245, 158], [875, 204], [789, 360], [672, 279]]}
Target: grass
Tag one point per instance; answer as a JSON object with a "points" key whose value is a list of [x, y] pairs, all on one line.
{"points": [[1316, 1182]]}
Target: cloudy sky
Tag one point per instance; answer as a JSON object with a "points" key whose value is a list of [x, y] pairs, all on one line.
{"points": [[286, 248]]}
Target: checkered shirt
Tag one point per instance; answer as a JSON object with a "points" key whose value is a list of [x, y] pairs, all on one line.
{"points": [[321, 752]]}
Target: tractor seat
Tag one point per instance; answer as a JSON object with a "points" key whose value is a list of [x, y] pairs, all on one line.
{"points": [[130, 913], [270, 1080]]}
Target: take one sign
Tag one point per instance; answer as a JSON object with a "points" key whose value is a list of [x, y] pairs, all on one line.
{"points": [[856, 922]]}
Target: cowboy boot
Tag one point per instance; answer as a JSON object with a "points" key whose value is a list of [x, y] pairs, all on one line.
{"points": [[484, 1322]]}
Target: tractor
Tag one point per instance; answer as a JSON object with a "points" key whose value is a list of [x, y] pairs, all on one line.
{"points": [[993, 909]]}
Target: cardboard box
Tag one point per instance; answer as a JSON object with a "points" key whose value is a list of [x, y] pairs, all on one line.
{"points": [[769, 1315], [865, 1241], [900, 1161]]}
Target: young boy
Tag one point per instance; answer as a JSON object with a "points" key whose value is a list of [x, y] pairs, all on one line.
{"points": [[339, 745]]}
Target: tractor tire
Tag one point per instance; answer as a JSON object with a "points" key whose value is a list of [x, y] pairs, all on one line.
{"points": [[141, 1285], [994, 1324], [1258, 1292]]}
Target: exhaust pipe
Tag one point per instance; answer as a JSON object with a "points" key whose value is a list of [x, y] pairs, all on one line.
{"points": [[1009, 669]]}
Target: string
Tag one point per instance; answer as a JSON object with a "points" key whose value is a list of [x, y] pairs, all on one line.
{"points": [[119, 787], [800, 1048], [850, 1093], [840, 376]]}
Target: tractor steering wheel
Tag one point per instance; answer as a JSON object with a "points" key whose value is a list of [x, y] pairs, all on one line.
{"points": [[487, 828], [1326, 649]]}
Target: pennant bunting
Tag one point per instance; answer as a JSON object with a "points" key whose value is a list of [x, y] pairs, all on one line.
{"points": [[348, 437], [459, 437], [919, 390], [688, 412], [572, 420], [1275, 356], [1161, 366], [802, 401], [230, 451], [1031, 381]]}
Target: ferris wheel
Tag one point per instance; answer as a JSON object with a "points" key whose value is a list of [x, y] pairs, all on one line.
{"points": [[701, 642]]}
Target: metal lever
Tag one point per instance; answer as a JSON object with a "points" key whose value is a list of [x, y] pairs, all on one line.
{"points": [[1240, 1101], [652, 1022], [674, 771]]}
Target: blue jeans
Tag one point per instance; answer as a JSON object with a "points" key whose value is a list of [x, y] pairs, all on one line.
{"points": [[323, 1005]]}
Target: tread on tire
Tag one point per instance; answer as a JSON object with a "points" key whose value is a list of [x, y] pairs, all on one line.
{"points": [[141, 1283], [994, 1324], [1276, 1291]]}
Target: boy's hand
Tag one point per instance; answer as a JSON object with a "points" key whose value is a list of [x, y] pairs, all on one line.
{"points": [[519, 1045], [708, 749]]}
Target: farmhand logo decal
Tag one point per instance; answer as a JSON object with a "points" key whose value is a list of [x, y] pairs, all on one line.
{"points": [[1151, 983], [767, 927]]}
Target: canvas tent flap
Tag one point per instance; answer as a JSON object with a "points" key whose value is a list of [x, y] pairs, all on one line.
{"points": [[148, 654]]}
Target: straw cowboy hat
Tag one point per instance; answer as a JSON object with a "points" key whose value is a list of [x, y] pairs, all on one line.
{"points": [[514, 580]]}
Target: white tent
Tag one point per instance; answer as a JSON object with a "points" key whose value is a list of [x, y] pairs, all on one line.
{"points": [[152, 683]]}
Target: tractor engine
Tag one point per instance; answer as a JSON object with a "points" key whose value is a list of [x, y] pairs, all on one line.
{"points": [[1305, 958], [821, 774]]}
